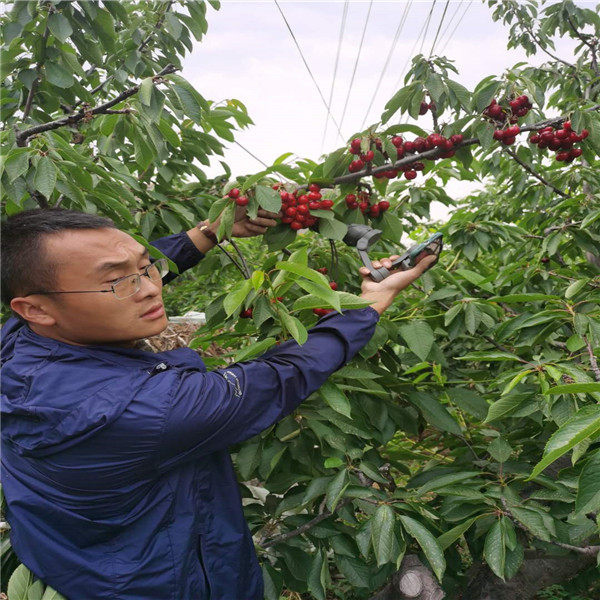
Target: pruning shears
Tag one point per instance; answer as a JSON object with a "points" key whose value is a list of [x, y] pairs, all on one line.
{"points": [[363, 237]]}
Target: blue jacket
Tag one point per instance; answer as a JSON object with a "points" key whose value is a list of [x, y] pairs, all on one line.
{"points": [[115, 466]]}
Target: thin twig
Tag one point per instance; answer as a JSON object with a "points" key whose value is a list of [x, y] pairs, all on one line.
{"points": [[585, 550], [38, 78], [232, 259], [593, 360], [290, 534], [536, 175], [243, 260], [539, 43]]}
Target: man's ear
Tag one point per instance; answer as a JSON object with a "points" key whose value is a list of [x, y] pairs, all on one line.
{"points": [[31, 308]]}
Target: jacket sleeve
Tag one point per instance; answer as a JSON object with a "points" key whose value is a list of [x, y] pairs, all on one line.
{"points": [[208, 411], [181, 250]]}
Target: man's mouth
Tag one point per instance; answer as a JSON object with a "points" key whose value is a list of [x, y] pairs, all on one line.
{"points": [[155, 312]]}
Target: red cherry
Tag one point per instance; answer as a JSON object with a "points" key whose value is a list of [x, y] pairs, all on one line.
{"points": [[322, 270], [576, 152], [290, 212], [364, 207], [509, 141], [314, 205], [350, 198], [423, 108], [535, 138], [495, 111], [409, 147], [567, 125], [326, 204], [303, 199], [302, 210], [562, 156], [295, 225], [368, 156], [287, 219], [241, 201], [418, 166], [521, 112], [355, 143], [554, 144], [499, 134], [513, 131], [432, 105], [584, 133], [456, 139], [313, 187], [333, 285], [374, 211], [384, 205], [234, 193], [246, 314], [399, 151], [397, 140], [561, 134], [314, 196], [410, 174], [547, 136], [420, 144], [310, 221]]}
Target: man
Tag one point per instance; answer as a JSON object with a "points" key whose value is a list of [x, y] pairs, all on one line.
{"points": [[114, 460]]}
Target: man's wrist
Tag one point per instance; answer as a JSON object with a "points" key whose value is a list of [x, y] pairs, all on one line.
{"points": [[381, 302]]}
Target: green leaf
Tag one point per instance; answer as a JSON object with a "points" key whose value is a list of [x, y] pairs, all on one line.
{"points": [[419, 337], [437, 483], [504, 406], [336, 489], [532, 520], [236, 296], [295, 327], [354, 570], [494, 550], [327, 294], [483, 97], [57, 75], [588, 489], [500, 449], [332, 229], [17, 163], [45, 176], [145, 93], [430, 546], [316, 581], [254, 349], [335, 398], [189, 102], [303, 271], [59, 26], [449, 537], [268, 198], [513, 382], [462, 94], [582, 425], [575, 287], [382, 534], [19, 583], [488, 356], [346, 301], [52, 594], [434, 412], [575, 388]]}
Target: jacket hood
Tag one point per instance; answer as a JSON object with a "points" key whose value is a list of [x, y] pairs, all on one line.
{"points": [[55, 395]]}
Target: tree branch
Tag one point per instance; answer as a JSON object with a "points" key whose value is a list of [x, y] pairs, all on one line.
{"points": [[539, 43], [242, 259], [532, 172], [23, 136], [436, 152]]}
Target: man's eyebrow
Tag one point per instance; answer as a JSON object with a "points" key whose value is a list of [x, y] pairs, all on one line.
{"points": [[107, 266]]}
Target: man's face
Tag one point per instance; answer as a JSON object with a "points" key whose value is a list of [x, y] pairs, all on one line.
{"points": [[80, 258]]}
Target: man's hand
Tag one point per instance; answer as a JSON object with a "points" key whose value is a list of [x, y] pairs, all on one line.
{"points": [[243, 226], [384, 292]]}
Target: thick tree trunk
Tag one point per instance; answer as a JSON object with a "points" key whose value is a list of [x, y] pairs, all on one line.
{"points": [[534, 575], [413, 581]]}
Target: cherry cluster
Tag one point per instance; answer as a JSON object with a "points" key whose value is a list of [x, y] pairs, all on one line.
{"points": [[362, 200], [359, 163], [517, 108], [296, 206], [561, 140], [234, 194]]}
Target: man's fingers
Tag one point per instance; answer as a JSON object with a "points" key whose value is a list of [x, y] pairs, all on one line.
{"points": [[268, 214], [263, 222], [256, 228]]}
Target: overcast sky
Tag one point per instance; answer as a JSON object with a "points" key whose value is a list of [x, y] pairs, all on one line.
{"points": [[249, 54]]}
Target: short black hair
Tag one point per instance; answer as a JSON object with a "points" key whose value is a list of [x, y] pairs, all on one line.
{"points": [[24, 265]]}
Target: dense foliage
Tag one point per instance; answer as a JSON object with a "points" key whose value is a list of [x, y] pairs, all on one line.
{"points": [[467, 430]]}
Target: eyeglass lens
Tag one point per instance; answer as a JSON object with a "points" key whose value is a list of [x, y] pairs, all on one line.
{"points": [[130, 285]]}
